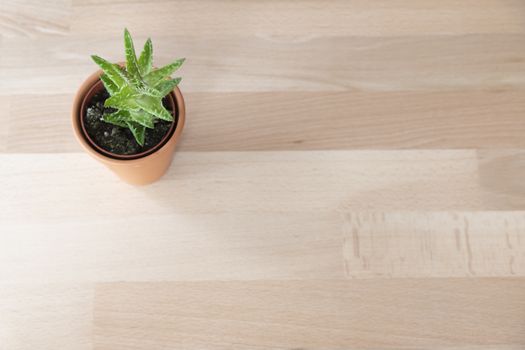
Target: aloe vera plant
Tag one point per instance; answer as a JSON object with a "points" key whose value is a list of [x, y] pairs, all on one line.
{"points": [[136, 90]]}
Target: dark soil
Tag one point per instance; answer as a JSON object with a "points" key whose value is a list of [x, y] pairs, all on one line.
{"points": [[116, 139]]}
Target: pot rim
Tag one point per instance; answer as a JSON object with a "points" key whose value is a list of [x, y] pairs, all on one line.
{"points": [[91, 147]]}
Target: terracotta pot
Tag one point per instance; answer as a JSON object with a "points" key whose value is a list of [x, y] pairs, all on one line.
{"points": [[136, 169]]}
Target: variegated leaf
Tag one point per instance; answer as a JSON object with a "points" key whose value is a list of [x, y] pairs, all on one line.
{"points": [[157, 75], [131, 58], [136, 90], [117, 118], [166, 86], [150, 91], [143, 118], [146, 58], [154, 106], [110, 86], [111, 70], [138, 131], [125, 99]]}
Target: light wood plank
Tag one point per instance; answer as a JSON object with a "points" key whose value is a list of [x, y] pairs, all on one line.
{"points": [[497, 170], [46, 316], [245, 246], [243, 64], [415, 244], [49, 114], [302, 19], [355, 120], [71, 186], [172, 247], [366, 314], [304, 121], [29, 18], [5, 118]]}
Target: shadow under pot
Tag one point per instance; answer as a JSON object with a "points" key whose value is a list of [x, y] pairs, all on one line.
{"points": [[115, 146]]}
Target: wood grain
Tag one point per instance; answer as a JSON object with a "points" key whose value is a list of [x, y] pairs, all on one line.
{"points": [[5, 111], [350, 177], [28, 18], [298, 246], [257, 182], [303, 19], [247, 64], [46, 316], [412, 244], [199, 246], [305, 121], [392, 314]]}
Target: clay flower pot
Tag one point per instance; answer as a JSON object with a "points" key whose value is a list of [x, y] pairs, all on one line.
{"points": [[137, 169]]}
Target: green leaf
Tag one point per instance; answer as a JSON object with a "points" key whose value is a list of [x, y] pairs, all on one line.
{"points": [[138, 131], [118, 118], [166, 86], [147, 90], [109, 84], [157, 75], [154, 106], [136, 90], [146, 58], [112, 71], [131, 58], [137, 83], [125, 99], [143, 118]]}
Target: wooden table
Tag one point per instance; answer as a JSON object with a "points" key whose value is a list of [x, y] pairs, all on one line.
{"points": [[352, 176]]}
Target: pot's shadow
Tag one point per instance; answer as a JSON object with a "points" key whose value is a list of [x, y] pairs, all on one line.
{"points": [[214, 182]]}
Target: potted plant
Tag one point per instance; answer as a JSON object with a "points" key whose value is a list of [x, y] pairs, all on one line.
{"points": [[130, 116]]}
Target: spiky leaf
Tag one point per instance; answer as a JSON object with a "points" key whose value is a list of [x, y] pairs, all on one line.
{"points": [[138, 131], [166, 86], [137, 90], [131, 58], [110, 86], [154, 106], [143, 118], [125, 99], [146, 58], [111, 70], [150, 91], [137, 83], [157, 75], [118, 118]]}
